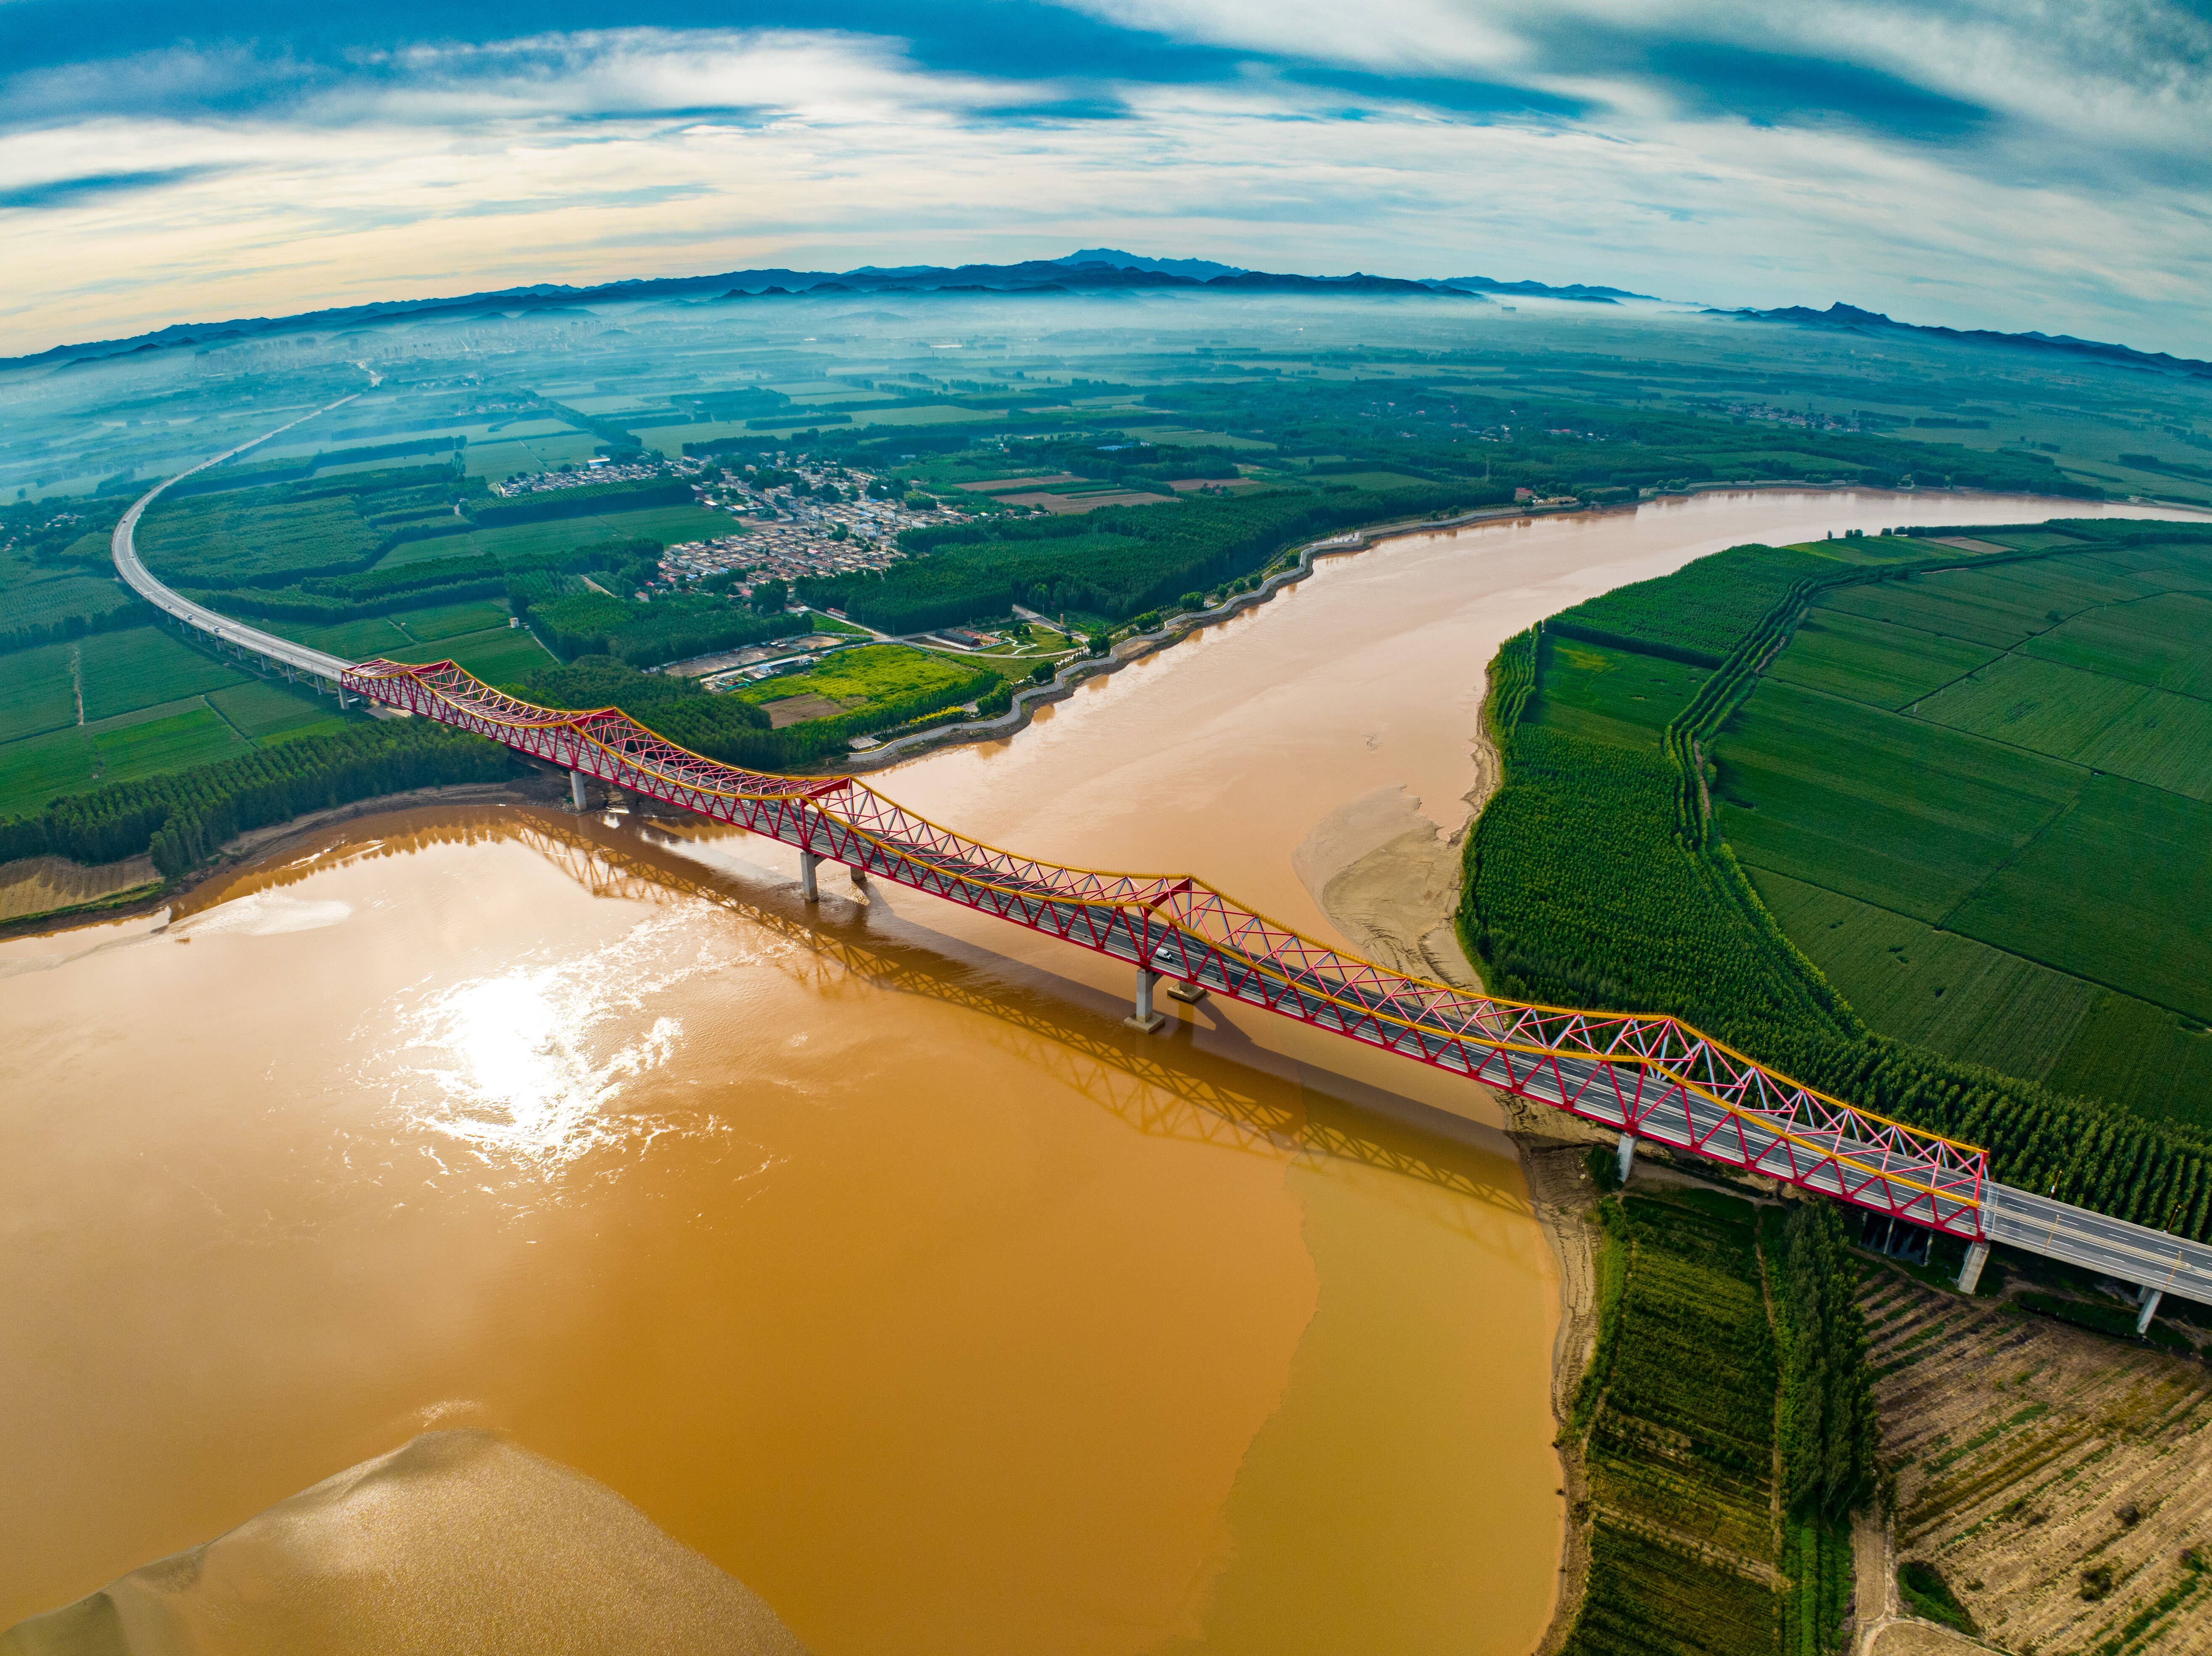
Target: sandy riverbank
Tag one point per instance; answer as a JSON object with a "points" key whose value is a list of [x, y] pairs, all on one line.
{"points": [[95, 886], [1388, 877], [458, 1540]]}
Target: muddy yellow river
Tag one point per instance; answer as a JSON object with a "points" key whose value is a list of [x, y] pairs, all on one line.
{"points": [[859, 1247]]}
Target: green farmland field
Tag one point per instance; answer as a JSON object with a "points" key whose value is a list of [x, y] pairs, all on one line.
{"points": [[38, 597], [356, 641], [143, 667], [1611, 694], [856, 678], [263, 711], [1981, 802], [497, 655], [152, 703], [1809, 786], [1709, 1318], [1962, 997], [1873, 660], [668, 524], [394, 635], [38, 690], [143, 743], [452, 620]]}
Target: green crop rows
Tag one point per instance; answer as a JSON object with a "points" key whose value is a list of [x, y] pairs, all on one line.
{"points": [[1647, 1598], [1716, 1321], [1670, 1446], [151, 703], [1971, 932]]}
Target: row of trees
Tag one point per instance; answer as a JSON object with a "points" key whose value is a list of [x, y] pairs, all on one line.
{"points": [[1117, 562], [582, 501], [31, 635], [1830, 1435], [646, 634], [182, 817]]}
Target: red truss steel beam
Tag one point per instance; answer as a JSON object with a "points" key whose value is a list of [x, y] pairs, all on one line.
{"points": [[1655, 1077]]}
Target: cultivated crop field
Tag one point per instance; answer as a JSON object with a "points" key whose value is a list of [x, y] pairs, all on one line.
{"points": [[497, 655], [1669, 1446], [1980, 799], [854, 679], [1718, 1322], [1610, 695], [143, 743], [1810, 785], [150, 703], [144, 666], [38, 690], [1944, 991], [2041, 1472]]}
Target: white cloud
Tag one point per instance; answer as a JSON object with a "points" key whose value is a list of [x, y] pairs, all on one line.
{"points": [[2117, 71], [582, 158]]}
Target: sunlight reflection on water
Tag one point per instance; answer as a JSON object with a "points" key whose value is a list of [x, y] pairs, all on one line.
{"points": [[528, 1067]]}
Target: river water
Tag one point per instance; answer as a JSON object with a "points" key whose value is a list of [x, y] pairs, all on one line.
{"points": [[860, 1248]]}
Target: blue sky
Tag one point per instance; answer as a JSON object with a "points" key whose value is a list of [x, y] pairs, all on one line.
{"points": [[2015, 165]]}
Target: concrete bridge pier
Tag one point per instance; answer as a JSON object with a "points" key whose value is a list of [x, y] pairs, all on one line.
{"points": [[1627, 1155], [576, 787], [860, 875], [1146, 1020], [1969, 1274], [2150, 1296], [1188, 993], [808, 861]]}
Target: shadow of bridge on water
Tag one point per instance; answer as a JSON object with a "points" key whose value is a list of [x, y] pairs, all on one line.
{"points": [[1164, 1086]]}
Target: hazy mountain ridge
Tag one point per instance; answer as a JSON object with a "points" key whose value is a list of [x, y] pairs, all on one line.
{"points": [[1851, 318], [1095, 269]]}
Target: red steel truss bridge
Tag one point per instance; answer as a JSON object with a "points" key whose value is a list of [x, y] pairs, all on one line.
{"points": [[1650, 1077]]}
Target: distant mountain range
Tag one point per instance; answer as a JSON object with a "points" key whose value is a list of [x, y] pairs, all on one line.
{"points": [[1092, 269], [1849, 319]]}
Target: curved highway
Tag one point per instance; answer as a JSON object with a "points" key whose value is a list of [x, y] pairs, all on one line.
{"points": [[236, 634]]}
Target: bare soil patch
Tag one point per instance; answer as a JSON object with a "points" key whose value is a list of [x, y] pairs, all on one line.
{"points": [[1073, 503], [793, 709], [2060, 1480], [1001, 485], [1920, 1639]]}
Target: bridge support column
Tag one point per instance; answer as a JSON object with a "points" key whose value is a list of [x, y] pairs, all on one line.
{"points": [[1146, 1020], [2150, 1297], [860, 875], [576, 787], [1969, 1274], [1188, 993], [808, 861], [1627, 1155]]}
